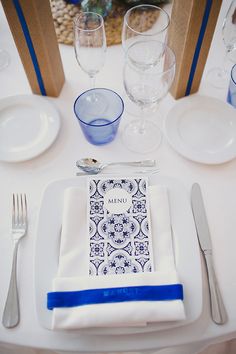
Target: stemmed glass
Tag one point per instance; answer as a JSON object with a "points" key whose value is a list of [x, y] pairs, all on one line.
{"points": [[148, 73], [143, 23], [229, 32], [217, 76], [90, 43], [4, 59]]}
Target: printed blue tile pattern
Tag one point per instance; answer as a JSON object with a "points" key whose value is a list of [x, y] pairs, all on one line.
{"points": [[120, 237]]}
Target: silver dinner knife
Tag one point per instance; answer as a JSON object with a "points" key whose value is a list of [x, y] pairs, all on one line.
{"points": [[218, 312]]}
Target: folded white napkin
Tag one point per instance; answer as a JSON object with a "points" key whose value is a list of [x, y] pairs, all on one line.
{"points": [[73, 272]]}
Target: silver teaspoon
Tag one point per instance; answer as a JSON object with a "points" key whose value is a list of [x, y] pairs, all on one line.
{"points": [[93, 166]]}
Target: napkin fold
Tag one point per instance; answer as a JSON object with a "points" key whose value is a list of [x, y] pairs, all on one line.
{"points": [[79, 300]]}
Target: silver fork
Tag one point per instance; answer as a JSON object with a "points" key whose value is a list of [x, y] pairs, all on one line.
{"points": [[11, 314]]}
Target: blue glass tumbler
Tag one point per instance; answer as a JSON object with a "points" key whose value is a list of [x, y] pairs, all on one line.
{"points": [[99, 113]]}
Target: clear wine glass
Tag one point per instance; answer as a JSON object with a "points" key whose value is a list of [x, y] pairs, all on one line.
{"points": [[4, 59], [90, 43], [148, 73], [144, 22], [229, 32], [218, 76]]}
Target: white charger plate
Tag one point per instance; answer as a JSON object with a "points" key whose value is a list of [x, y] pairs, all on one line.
{"points": [[187, 254], [29, 124], [202, 129]]}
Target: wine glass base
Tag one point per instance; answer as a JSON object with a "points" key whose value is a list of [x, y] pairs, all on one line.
{"points": [[4, 59], [217, 77], [142, 140]]}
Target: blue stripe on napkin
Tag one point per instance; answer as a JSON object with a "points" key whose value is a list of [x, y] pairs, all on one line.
{"points": [[198, 46], [30, 46], [113, 295]]}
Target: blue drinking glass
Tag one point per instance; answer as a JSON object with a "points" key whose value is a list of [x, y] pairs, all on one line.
{"points": [[99, 113], [231, 97]]}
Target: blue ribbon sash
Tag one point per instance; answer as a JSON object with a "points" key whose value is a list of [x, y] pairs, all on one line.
{"points": [[114, 295]]}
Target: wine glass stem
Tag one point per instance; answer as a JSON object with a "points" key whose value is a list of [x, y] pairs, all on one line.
{"points": [[92, 80], [142, 120], [223, 63]]}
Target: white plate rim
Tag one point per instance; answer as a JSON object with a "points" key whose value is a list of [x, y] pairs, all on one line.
{"points": [[186, 247], [37, 102], [183, 149]]}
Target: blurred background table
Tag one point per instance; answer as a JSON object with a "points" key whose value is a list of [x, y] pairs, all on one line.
{"points": [[218, 184]]}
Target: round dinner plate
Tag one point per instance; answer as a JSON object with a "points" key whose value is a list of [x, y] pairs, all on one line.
{"points": [[202, 129], [29, 124]]}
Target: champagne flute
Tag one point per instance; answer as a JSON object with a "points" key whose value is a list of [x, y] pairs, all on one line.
{"points": [[90, 43], [218, 76], [146, 87]]}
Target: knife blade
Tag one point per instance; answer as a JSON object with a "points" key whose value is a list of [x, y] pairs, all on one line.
{"points": [[218, 312], [200, 218]]}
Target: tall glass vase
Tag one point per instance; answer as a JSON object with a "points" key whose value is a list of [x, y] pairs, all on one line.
{"points": [[102, 7]]}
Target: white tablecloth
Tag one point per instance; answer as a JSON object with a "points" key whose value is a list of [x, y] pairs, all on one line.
{"points": [[218, 185]]}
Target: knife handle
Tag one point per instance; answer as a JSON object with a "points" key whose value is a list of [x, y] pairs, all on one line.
{"points": [[218, 312]]}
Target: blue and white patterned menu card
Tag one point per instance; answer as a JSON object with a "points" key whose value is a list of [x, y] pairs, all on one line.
{"points": [[119, 226]]}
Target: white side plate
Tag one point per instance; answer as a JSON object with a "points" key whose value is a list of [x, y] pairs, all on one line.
{"points": [[29, 124], [202, 129], [187, 254]]}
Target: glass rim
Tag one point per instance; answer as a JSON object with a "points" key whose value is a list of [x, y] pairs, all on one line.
{"points": [[150, 6], [165, 46], [233, 71], [81, 14], [101, 125]]}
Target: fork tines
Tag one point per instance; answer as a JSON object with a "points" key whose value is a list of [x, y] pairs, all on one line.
{"points": [[19, 212]]}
